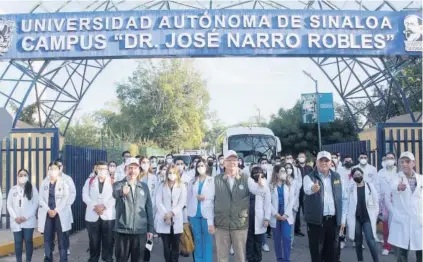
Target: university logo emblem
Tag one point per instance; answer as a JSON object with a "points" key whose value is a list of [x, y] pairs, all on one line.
{"points": [[6, 34], [413, 33]]}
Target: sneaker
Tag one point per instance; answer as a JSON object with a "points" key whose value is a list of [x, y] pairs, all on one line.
{"points": [[155, 236], [299, 234], [385, 252], [363, 247], [269, 235], [231, 251], [265, 248], [342, 244], [68, 252]]}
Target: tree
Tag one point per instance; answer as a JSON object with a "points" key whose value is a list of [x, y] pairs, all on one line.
{"points": [[27, 114], [164, 102], [296, 137]]}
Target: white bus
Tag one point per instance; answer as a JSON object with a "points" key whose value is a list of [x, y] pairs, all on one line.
{"points": [[251, 143]]}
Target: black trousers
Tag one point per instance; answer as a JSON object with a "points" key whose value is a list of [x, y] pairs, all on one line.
{"points": [[130, 245], [100, 234], [253, 246], [323, 240], [402, 255], [301, 207], [171, 246]]}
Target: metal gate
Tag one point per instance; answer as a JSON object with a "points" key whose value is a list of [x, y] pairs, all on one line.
{"points": [[29, 148], [78, 163], [353, 149]]}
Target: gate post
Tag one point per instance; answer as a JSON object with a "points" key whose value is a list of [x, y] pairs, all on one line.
{"points": [[380, 143]]}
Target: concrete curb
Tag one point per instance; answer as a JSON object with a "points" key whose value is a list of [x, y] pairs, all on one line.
{"points": [[9, 247]]}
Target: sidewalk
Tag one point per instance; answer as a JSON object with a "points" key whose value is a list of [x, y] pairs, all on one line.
{"points": [[7, 245]]}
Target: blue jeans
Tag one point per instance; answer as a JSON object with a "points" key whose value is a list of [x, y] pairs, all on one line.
{"points": [[26, 235], [364, 226], [282, 241], [203, 251], [53, 226]]}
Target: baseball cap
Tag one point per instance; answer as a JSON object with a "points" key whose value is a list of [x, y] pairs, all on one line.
{"points": [[407, 154], [324, 154], [132, 160], [230, 153]]}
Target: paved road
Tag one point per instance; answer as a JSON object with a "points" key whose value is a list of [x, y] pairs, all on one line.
{"points": [[79, 245]]}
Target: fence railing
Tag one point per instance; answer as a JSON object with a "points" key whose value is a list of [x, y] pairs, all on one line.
{"points": [[353, 149]]}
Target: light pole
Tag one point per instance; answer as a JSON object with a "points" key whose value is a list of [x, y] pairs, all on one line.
{"points": [[318, 108], [259, 115]]}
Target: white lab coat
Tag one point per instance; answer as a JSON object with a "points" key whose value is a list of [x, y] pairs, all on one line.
{"points": [[344, 174], [92, 197], [61, 196], [170, 200], [207, 205], [297, 183], [120, 172], [1, 202], [407, 222], [20, 206], [72, 192], [369, 173], [152, 183], [262, 211], [289, 200], [372, 205], [383, 186]]}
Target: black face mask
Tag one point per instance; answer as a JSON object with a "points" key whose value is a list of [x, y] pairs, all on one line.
{"points": [[358, 179], [210, 163], [348, 165]]}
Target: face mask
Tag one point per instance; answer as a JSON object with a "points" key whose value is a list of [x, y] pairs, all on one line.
{"points": [[390, 163], [301, 160], [53, 174], [282, 176], [153, 164], [289, 171], [181, 169], [289, 161], [103, 174], [201, 170], [163, 172], [335, 160], [348, 165], [261, 182], [264, 167], [125, 159], [221, 161], [277, 163], [210, 163], [145, 167], [358, 179], [23, 179], [333, 169], [112, 169], [169, 160], [363, 161], [239, 162], [172, 177]]}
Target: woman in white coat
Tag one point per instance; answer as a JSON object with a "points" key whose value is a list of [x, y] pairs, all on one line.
{"points": [[147, 176], [295, 178], [281, 219], [200, 207], [360, 213], [259, 217], [22, 204], [53, 215], [406, 227], [171, 198]]}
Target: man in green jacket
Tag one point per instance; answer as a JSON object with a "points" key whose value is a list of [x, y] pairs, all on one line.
{"points": [[232, 198], [134, 214]]}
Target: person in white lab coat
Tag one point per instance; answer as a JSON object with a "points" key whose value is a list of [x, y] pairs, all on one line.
{"points": [[383, 186], [100, 214], [370, 172], [22, 204], [267, 172], [120, 170], [281, 219], [53, 213], [296, 180], [171, 197], [259, 217], [201, 212], [147, 176], [407, 220], [360, 212], [112, 171]]}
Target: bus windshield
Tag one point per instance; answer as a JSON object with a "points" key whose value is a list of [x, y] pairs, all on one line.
{"points": [[252, 147]]}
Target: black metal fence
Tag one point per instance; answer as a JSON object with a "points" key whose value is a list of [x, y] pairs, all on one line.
{"points": [[353, 149]]}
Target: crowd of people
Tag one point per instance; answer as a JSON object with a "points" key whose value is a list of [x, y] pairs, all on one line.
{"points": [[229, 205]]}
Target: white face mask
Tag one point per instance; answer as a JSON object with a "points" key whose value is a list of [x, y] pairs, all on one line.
{"points": [[22, 179], [301, 160], [172, 177], [383, 164], [390, 163], [282, 176], [53, 174], [333, 169], [363, 161], [335, 160], [153, 164], [102, 174], [181, 169], [221, 161], [264, 167], [289, 171], [112, 169], [145, 166], [169, 160], [289, 161], [201, 170]]}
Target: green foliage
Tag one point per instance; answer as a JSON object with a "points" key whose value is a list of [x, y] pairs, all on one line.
{"points": [[27, 114], [296, 137], [164, 102]]}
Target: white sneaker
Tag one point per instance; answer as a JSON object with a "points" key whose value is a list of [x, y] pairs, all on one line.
{"points": [[231, 251], [68, 252], [265, 248], [342, 244], [363, 247], [155, 236], [385, 252]]}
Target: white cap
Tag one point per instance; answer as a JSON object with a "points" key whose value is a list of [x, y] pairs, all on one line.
{"points": [[407, 154], [324, 154], [132, 160], [229, 154]]}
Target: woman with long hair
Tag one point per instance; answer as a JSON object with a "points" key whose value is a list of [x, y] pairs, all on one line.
{"points": [[53, 214], [297, 187], [171, 198], [281, 219], [22, 204], [161, 175], [201, 212], [147, 176]]}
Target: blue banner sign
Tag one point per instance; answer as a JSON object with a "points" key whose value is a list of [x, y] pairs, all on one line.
{"points": [[309, 113], [204, 33]]}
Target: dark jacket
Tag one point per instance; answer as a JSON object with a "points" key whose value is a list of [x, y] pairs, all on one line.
{"points": [[313, 204], [134, 215]]}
